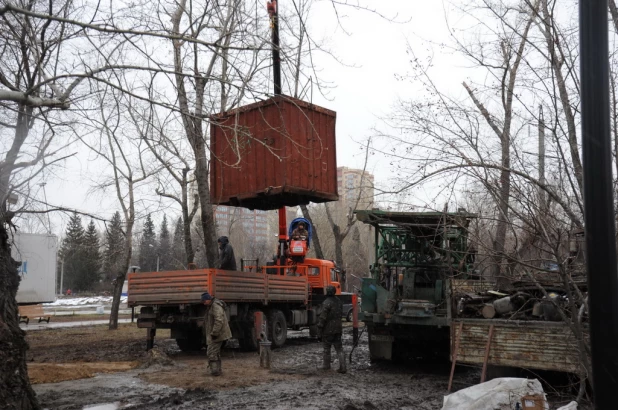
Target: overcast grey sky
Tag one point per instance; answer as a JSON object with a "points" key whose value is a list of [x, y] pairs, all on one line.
{"points": [[373, 52]]}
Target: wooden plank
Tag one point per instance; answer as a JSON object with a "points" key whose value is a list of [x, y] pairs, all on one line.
{"points": [[31, 310]]}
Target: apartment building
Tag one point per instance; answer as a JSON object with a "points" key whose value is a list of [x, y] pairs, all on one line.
{"points": [[355, 184]]}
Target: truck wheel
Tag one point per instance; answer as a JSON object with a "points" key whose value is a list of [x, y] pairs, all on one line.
{"points": [[191, 342], [313, 331], [248, 342], [277, 328], [189, 345], [348, 317]]}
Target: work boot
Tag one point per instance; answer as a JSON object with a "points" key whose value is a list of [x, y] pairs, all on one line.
{"points": [[215, 367], [325, 360], [342, 366]]}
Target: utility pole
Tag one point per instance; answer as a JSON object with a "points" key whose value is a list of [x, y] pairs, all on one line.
{"points": [[598, 201]]}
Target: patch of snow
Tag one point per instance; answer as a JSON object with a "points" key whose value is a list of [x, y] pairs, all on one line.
{"points": [[84, 301]]}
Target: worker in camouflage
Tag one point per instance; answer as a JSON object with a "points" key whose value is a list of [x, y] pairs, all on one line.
{"points": [[217, 331], [330, 329]]}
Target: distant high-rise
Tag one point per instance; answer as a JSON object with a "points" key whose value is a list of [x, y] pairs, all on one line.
{"points": [[252, 223], [249, 223], [355, 185]]}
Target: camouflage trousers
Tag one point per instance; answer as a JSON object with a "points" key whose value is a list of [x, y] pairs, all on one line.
{"points": [[328, 342], [213, 351]]}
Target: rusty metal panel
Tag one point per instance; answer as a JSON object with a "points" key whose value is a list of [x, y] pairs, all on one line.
{"points": [[460, 286], [167, 287], [274, 153], [524, 344]]}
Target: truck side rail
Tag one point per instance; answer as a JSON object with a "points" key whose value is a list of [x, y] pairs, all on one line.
{"points": [[167, 287], [235, 286], [514, 343], [186, 287]]}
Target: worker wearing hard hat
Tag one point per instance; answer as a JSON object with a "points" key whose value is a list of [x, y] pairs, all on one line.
{"points": [[217, 330]]}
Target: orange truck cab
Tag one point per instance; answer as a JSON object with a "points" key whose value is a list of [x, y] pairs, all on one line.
{"points": [[320, 274]]}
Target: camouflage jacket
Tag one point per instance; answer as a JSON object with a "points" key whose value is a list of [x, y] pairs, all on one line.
{"points": [[330, 317], [216, 325]]}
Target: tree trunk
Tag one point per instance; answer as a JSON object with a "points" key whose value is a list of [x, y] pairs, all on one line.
{"points": [[192, 122], [122, 274], [203, 189], [186, 227], [317, 247], [556, 64], [15, 390], [186, 219], [503, 207], [339, 254]]}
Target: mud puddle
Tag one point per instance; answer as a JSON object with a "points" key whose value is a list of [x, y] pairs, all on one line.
{"points": [[293, 381]]}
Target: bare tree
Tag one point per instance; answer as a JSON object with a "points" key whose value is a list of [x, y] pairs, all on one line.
{"points": [[194, 107], [175, 160], [112, 141], [30, 127], [445, 145]]}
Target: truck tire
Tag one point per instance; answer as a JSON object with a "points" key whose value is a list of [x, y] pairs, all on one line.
{"points": [[277, 328], [189, 345], [248, 342], [313, 331], [192, 342], [348, 317]]}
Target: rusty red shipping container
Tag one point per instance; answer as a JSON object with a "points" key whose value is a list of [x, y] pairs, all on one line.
{"points": [[274, 153]]}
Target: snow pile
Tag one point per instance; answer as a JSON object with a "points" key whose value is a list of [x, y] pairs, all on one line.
{"points": [[85, 301]]}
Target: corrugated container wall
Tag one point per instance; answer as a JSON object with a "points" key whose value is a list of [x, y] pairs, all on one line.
{"points": [[274, 153]]}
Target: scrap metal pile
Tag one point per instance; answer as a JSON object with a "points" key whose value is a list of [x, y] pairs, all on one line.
{"points": [[523, 301]]}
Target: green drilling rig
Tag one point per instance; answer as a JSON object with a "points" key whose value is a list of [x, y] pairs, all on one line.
{"points": [[406, 303]]}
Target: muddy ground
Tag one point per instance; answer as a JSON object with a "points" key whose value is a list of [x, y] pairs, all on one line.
{"points": [[113, 368]]}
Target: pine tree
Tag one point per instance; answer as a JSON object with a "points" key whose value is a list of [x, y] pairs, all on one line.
{"points": [[179, 254], [92, 254], [72, 254], [148, 247], [114, 249], [165, 246]]}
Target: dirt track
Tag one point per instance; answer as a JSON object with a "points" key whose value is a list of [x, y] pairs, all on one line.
{"points": [[293, 381], [101, 367]]}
